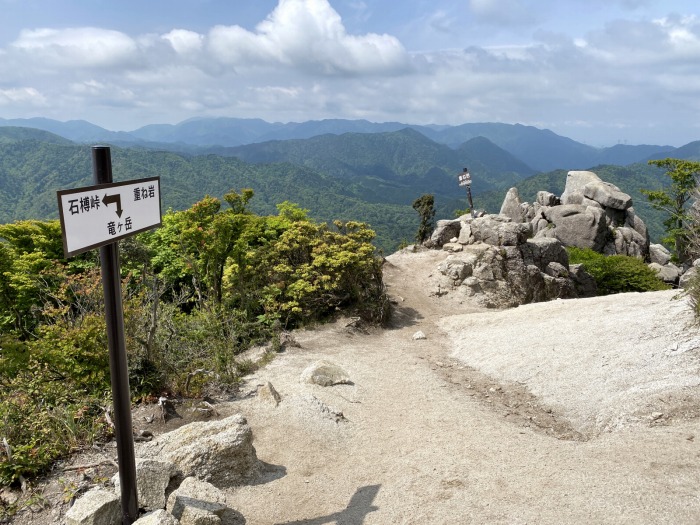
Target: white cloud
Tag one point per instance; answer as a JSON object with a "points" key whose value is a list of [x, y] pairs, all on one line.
{"points": [[184, 41], [308, 35], [27, 95], [76, 47], [302, 63]]}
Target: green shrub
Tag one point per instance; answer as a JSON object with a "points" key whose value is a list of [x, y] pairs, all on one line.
{"points": [[692, 288], [53, 405], [617, 273], [200, 290]]}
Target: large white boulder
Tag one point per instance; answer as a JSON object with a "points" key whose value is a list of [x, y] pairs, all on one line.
{"points": [[220, 452], [575, 182], [96, 507], [576, 225]]}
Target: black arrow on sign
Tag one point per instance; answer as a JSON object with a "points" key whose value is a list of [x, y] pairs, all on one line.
{"points": [[110, 199]]}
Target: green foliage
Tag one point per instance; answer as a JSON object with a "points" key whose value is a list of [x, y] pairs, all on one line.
{"points": [[692, 289], [311, 270], [425, 206], [616, 273], [673, 201], [370, 178], [52, 394], [208, 284]]}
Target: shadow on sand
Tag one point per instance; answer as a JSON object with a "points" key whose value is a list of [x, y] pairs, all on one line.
{"points": [[354, 514], [403, 316]]}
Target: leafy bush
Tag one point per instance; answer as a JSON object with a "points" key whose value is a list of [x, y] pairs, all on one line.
{"points": [[53, 404], [692, 288], [200, 290], [617, 273]]}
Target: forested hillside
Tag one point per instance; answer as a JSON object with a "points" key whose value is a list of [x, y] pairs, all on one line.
{"points": [[372, 178], [32, 171], [403, 156], [540, 149]]}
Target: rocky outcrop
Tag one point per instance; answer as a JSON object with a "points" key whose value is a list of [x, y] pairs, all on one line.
{"points": [[157, 517], [518, 256], [659, 254], [689, 275], [512, 206], [593, 214], [173, 489], [499, 276], [496, 230], [607, 195], [196, 501], [152, 478], [445, 230], [96, 507], [219, 452], [575, 225], [575, 182], [668, 273]]}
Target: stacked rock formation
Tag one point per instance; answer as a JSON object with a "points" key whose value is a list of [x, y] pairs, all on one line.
{"points": [[591, 213], [519, 256]]}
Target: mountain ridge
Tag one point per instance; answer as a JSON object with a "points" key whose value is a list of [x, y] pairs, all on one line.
{"points": [[541, 149]]}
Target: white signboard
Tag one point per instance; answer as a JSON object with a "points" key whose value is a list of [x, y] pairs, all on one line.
{"points": [[97, 215], [465, 179]]}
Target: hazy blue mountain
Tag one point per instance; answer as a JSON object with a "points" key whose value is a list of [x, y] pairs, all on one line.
{"points": [[230, 132], [32, 171], [208, 131], [75, 130], [494, 165], [360, 176], [690, 151], [313, 128], [12, 134], [623, 154], [410, 161], [541, 149]]}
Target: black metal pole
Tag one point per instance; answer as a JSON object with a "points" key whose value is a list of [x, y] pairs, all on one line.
{"points": [[114, 313], [468, 183], [471, 204]]}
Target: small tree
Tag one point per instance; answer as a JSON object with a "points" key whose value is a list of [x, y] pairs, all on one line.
{"points": [[425, 206], [674, 201]]}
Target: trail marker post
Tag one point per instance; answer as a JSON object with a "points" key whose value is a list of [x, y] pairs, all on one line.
{"points": [[98, 216], [466, 180]]}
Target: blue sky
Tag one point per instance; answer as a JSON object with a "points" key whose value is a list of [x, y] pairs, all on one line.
{"points": [[599, 71]]}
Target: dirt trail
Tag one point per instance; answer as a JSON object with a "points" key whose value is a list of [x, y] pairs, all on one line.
{"points": [[482, 422], [425, 439]]}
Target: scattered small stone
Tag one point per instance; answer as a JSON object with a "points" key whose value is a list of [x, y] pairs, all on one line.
{"points": [[655, 416], [195, 497], [419, 336], [269, 394], [8, 497], [325, 373], [96, 506]]}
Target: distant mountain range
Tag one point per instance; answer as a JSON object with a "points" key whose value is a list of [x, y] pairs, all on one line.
{"points": [[347, 170], [540, 149]]}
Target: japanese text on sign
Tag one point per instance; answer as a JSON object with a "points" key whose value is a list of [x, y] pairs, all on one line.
{"points": [[96, 215]]}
